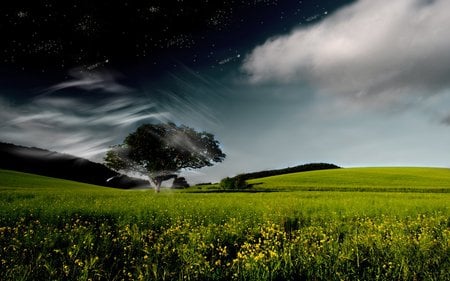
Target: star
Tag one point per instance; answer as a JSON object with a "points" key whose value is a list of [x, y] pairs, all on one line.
{"points": [[22, 14], [52, 34]]}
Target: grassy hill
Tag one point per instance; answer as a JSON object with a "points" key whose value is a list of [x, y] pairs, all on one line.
{"points": [[53, 229], [362, 179], [20, 181], [59, 165], [404, 179]]}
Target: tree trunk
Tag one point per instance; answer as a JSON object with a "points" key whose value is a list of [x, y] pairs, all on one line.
{"points": [[157, 182], [158, 186]]}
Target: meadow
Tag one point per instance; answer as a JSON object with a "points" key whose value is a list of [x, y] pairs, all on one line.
{"points": [[386, 179], [346, 224]]}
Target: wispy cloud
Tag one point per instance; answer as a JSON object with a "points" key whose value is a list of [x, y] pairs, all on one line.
{"points": [[91, 80], [75, 126], [191, 97], [70, 123], [86, 125], [368, 50]]}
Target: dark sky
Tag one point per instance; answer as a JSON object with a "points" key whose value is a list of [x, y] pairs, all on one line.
{"points": [[279, 83], [49, 38]]}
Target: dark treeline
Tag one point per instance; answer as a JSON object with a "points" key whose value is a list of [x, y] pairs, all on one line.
{"points": [[296, 169], [58, 165]]}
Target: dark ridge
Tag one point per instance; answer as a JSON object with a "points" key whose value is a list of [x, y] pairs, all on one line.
{"points": [[296, 169], [58, 165]]}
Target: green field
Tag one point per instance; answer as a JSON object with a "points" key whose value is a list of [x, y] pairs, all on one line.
{"points": [[345, 224], [362, 179]]}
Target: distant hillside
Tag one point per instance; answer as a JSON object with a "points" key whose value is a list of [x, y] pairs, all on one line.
{"points": [[373, 179], [53, 164], [296, 169], [380, 179]]}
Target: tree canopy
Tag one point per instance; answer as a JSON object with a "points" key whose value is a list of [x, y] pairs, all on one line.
{"points": [[162, 150]]}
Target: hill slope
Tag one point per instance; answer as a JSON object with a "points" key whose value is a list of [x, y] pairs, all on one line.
{"points": [[362, 179], [13, 180], [53, 164]]}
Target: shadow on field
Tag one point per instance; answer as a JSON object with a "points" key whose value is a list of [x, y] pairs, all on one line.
{"points": [[234, 191], [250, 189]]}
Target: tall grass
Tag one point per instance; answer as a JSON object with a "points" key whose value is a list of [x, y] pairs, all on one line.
{"points": [[59, 230]]}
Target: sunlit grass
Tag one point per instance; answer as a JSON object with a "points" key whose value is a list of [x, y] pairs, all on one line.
{"points": [[55, 229], [362, 179]]}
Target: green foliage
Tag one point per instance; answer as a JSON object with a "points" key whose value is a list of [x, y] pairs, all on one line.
{"points": [[159, 150], [83, 248], [234, 183], [60, 230], [227, 183], [116, 158], [179, 183]]}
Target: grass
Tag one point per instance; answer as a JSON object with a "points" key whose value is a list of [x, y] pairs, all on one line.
{"points": [[401, 179], [56, 229]]}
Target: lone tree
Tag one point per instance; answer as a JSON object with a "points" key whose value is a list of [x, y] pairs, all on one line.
{"points": [[160, 151]]}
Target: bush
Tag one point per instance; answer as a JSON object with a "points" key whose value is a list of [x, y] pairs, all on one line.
{"points": [[237, 182], [227, 183], [179, 183]]}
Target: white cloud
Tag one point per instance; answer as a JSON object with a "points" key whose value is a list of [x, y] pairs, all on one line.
{"points": [[91, 80], [75, 126], [382, 49], [68, 121]]}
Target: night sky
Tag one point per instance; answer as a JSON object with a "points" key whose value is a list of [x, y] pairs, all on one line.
{"points": [[279, 83], [54, 37]]}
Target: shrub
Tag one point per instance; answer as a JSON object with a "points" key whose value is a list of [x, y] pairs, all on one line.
{"points": [[237, 182]]}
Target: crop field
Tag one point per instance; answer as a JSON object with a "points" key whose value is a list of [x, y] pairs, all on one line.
{"points": [[345, 224]]}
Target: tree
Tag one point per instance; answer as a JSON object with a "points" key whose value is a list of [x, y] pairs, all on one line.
{"points": [[237, 182], [160, 151]]}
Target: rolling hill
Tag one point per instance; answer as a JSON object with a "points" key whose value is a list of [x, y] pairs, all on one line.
{"points": [[13, 180], [67, 230], [58, 165], [414, 179]]}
